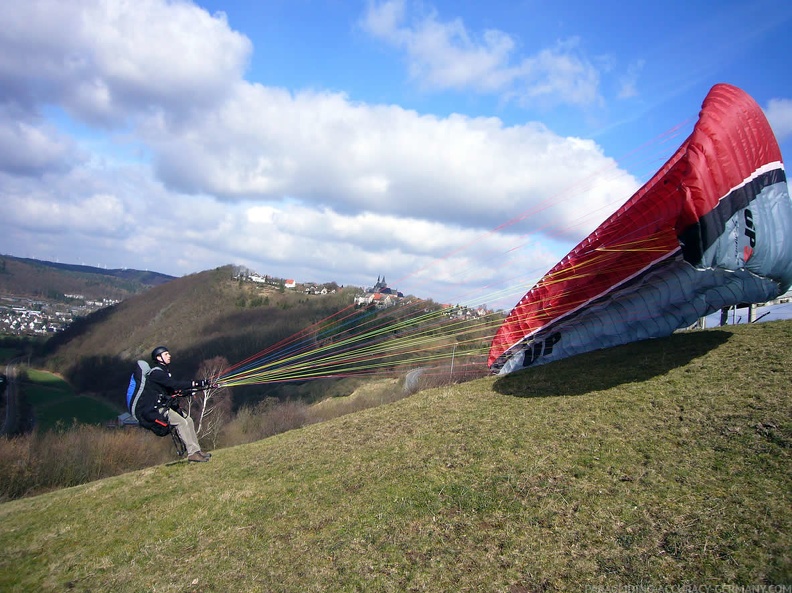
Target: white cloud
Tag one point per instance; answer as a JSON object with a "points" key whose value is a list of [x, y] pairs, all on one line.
{"points": [[325, 150], [106, 60], [446, 55], [358, 247], [629, 81], [779, 114], [310, 184], [100, 214], [559, 75], [30, 147]]}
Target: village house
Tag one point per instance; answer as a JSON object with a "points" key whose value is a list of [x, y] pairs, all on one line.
{"points": [[36, 317], [379, 295]]}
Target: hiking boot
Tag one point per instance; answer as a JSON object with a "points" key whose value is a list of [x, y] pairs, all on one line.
{"points": [[197, 457], [206, 455]]}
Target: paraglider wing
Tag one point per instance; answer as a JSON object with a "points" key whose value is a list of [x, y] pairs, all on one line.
{"points": [[711, 229]]}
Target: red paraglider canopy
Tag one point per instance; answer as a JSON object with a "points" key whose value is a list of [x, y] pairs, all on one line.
{"points": [[690, 215]]}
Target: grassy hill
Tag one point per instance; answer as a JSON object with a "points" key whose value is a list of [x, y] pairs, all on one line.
{"points": [[664, 462]]}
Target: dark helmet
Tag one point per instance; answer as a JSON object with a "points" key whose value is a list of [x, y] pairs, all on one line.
{"points": [[157, 351]]}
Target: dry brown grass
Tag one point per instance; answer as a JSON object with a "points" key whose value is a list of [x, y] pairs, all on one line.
{"points": [[271, 417], [39, 462]]}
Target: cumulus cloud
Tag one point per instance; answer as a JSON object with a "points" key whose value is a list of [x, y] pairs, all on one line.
{"points": [[105, 61], [779, 114], [88, 200], [325, 150], [446, 55], [30, 147], [349, 245]]}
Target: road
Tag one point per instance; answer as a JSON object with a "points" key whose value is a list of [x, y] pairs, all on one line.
{"points": [[12, 401]]}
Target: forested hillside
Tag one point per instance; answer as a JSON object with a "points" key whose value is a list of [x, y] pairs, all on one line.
{"points": [[198, 317], [215, 313], [21, 277]]}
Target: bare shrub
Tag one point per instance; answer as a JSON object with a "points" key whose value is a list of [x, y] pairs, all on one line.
{"points": [[267, 418], [442, 376], [333, 408], [37, 462], [286, 416]]}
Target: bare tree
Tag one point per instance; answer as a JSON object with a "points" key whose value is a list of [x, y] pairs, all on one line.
{"points": [[210, 408]]}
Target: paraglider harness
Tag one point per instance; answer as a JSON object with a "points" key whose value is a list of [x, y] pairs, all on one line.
{"points": [[151, 418]]}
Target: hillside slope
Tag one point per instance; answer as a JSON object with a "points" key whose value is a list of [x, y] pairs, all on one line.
{"points": [[23, 277], [658, 463], [198, 317]]}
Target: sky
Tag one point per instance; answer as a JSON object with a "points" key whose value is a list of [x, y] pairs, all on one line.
{"points": [[459, 149]]}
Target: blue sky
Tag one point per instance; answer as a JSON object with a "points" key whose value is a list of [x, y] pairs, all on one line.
{"points": [[459, 148]]}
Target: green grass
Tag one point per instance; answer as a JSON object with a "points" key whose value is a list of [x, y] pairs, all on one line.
{"points": [[665, 462], [55, 403]]}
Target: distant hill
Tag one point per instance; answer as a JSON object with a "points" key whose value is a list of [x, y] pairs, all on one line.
{"points": [[23, 277], [644, 467], [198, 317]]}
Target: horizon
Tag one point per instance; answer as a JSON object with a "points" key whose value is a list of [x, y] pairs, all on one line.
{"points": [[739, 316]]}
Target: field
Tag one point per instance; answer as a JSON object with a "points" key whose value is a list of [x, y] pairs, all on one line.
{"points": [[54, 402], [658, 464]]}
